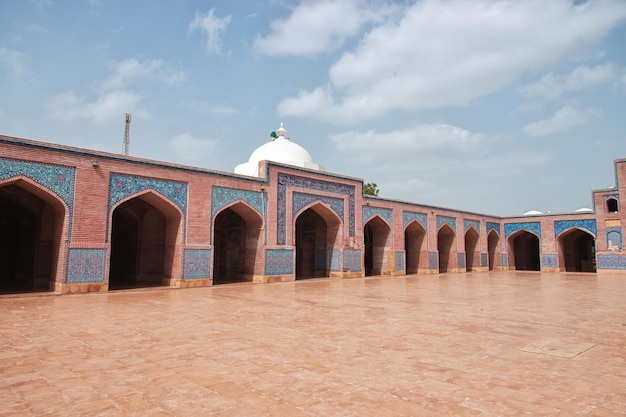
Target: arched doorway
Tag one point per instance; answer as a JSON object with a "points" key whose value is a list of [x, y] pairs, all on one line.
{"points": [[414, 236], [377, 240], [524, 251], [31, 226], [493, 248], [236, 232], [144, 234], [472, 257], [316, 232], [446, 247], [577, 251]]}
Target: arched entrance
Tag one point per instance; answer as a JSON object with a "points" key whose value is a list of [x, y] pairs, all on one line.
{"points": [[446, 247], [31, 225], [493, 248], [524, 251], [144, 234], [472, 257], [376, 239], [414, 235], [317, 229], [236, 232], [577, 251]]}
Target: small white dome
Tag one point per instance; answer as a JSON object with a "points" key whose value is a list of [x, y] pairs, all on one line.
{"points": [[532, 213], [281, 150], [584, 210]]}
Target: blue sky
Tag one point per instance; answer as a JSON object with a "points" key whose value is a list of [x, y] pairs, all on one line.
{"points": [[492, 106]]}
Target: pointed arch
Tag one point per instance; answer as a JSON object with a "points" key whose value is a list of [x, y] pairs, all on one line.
{"points": [[493, 248], [415, 249], [34, 222], [237, 239], [472, 249], [377, 242], [524, 251], [446, 245], [317, 231], [577, 250], [146, 236]]}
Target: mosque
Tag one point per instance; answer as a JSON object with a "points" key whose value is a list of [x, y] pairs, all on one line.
{"points": [[76, 220]]}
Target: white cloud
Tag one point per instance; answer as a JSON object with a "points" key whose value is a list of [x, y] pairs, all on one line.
{"points": [[565, 119], [212, 28], [448, 53], [115, 95], [317, 27], [13, 61], [191, 150], [552, 86]]}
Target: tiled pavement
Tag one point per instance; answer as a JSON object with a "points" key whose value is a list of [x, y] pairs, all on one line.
{"points": [[492, 344]]}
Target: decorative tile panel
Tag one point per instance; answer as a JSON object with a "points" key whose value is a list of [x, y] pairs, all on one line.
{"points": [[352, 260], [57, 179], [615, 196], [409, 216], [385, 213], [286, 180], [460, 260], [471, 223], [505, 260], [484, 260], [222, 197], [279, 262], [301, 200], [86, 265], [335, 259], [122, 186], [561, 225], [197, 263], [614, 238], [549, 261], [433, 260], [533, 227], [611, 261], [450, 221], [493, 226], [400, 264]]}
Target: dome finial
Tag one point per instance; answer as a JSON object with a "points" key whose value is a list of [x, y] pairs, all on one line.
{"points": [[281, 131]]}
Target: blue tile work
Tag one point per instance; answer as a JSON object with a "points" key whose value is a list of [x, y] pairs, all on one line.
{"points": [[286, 180], [301, 200], [433, 260], [57, 179], [614, 238], [484, 260], [549, 261], [460, 260], [611, 261], [450, 221], [493, 226], [615, 196], [409, 216], [471, 223], [561, 225], [533, 227], [400, 261], [505, 260], [86, 265], [122, 186], [335, 259], [279, 262], [352, 260], [369, 212], [197, 263], [222, 197], [320, 258]]}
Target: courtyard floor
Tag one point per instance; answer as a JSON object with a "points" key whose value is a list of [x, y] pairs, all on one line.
{"points": [[477, 344]]}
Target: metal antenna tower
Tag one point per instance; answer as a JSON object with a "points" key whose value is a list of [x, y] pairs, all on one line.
{"points": [[127, 135]]}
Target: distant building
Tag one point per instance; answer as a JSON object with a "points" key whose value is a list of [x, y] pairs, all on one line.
{"points": [[76, 220]]}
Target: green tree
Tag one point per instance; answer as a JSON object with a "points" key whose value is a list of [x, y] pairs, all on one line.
{"points": [[371, 188]]}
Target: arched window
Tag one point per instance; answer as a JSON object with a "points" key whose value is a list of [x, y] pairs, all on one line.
{"points": [[611, 205]]}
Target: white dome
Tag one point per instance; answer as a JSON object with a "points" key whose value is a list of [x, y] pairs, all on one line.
{"points": [[280, 149], [584, 210], [532, 213]]}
